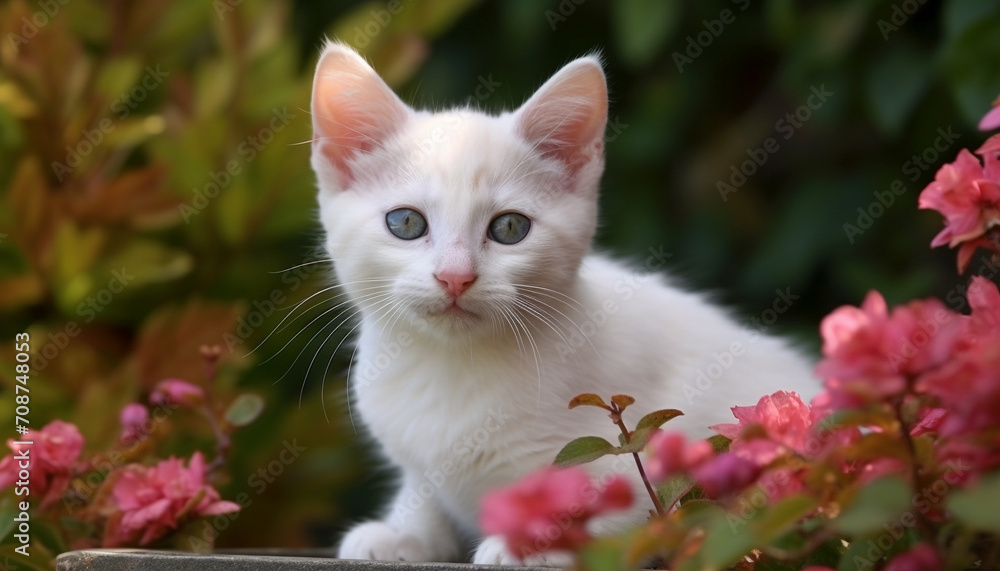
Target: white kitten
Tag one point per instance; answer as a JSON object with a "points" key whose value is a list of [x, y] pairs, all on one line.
{"points": [[464, 240]]}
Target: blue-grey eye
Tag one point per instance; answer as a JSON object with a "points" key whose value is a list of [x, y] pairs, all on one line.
{"points": [[509, 228], [406, 223]]}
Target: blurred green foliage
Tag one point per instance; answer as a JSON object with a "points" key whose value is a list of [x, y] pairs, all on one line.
{"points": [[165, 145]]}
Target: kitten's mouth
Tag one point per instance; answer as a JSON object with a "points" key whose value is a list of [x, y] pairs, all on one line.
{"points": [[456, 310]]}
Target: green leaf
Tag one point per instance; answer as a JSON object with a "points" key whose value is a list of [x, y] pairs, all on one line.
{"points": [[214, 83], [725, 542], [814, 209], [657, 418], [582, 450], [897, 79], [7, 514], [642, 28], [673, 488], [588, 399], [873, 446], [604, 554], [781, 518], [719, 443], [22, 563], [973, 83], [976, 507], [860, 550], [623, 401], [118, 76], [147, 261], [637, 441], [959, 15], [244, 410], [47, 535], [875, 504]]}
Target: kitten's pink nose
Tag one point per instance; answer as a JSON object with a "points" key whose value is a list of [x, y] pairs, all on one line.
{"points": [[455, 283]]}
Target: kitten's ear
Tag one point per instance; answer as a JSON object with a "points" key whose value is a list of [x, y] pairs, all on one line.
{"points": [[353, 111], [565, 118]]}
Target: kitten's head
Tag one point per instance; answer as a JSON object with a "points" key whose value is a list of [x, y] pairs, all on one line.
{"points": [[457, 220]]}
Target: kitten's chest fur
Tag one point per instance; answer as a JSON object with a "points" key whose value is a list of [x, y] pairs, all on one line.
{"points": [[459, 420]]}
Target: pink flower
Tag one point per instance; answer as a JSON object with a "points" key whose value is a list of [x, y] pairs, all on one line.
{"points": [[671, 453], [133, 416], [778, 483], [923, 557], [969, 388], [967, 194], [990, 148], [154, 500], [991, 120], [963, 460], [725, 474], [176, 391], [786, 421], [930, 421], [852, 340], [549, 509], [57, 447], [984, 298], [872, 355]]}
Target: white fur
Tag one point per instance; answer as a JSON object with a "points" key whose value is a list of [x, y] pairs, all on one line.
{"points": [[464, 403]]}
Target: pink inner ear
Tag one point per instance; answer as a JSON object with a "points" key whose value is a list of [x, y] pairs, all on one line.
{"points": [[565, 119], [354, 111]]}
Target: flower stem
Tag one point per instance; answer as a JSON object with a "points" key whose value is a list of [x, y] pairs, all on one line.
{"points": [[617, 417], [222, 440], [924, 525]]}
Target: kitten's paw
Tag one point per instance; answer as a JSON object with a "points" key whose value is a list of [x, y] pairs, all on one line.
{"points": [[493, 551], [380, 541]]}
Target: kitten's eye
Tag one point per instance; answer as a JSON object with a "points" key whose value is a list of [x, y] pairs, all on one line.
{"points": [[406, 223], [509, 228]]}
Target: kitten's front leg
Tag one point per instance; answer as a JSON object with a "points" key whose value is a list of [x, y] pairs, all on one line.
{"points": [[405, 534]]}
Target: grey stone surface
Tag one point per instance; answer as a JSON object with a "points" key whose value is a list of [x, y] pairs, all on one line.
{"points": [[264, 560]]}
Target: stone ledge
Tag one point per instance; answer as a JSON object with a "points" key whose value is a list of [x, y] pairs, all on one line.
{"points": [[244, 560]]}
